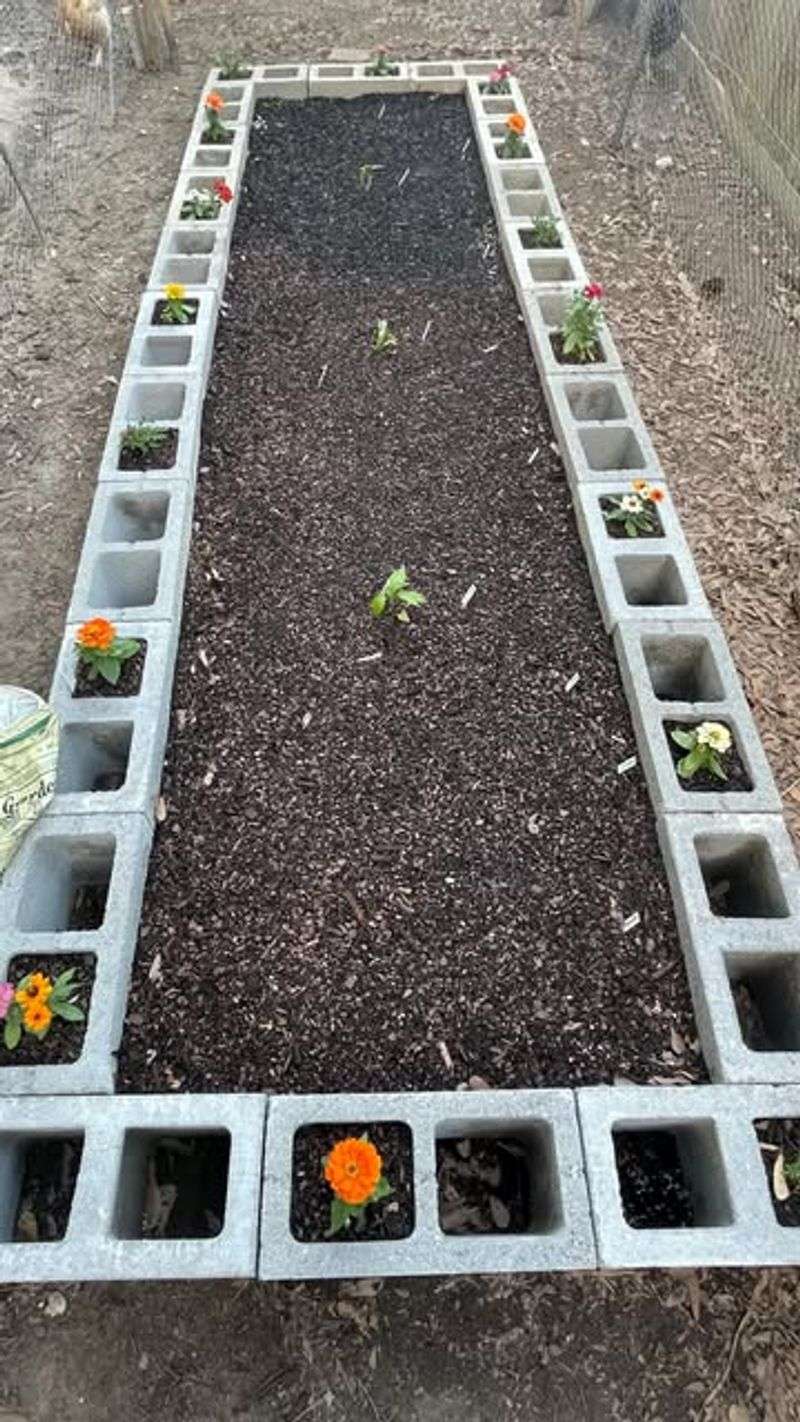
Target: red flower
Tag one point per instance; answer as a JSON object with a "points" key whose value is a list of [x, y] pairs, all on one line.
{"points": [[593, 291], [223, 192]]}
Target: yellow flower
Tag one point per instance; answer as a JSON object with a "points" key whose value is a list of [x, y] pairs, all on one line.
{"points": [[715, 735], [175, 291], [37, 1016], [37, 989]]}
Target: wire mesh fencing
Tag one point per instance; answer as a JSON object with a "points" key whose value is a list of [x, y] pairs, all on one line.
{"points": [[710, 95], [62, 76]]}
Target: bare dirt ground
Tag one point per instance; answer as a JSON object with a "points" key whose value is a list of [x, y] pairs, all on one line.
{"points": [[722, 1347]]}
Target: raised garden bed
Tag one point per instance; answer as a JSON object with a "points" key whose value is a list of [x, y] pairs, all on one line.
{"points": [[402, 857]]}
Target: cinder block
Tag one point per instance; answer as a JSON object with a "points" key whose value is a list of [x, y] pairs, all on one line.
{"points": [[712, 1129], [351, 81], [194, 254], [226, 158], [104, 1236], [639, 579], [170, 350], [437, 76], [484, 107], [522, 192], [560, 1235], [281, 81], [761, 1045], [204, 179], [543, 313], [491, 134], [162, 645], [532, 268], [599, 428], [173, 400], [667, 656], [133, 563]]}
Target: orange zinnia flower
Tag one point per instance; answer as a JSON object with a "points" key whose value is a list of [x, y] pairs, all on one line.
{"points": [[639, 485], [516, 123], [37, 1016], [215, 101], [656, 496], [353, 1169], [96, 635], [37, 989]]}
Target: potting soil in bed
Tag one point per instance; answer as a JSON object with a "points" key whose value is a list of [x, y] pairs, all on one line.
{"points": [[392, 857]]}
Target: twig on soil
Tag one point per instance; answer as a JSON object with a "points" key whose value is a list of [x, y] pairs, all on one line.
{"points": [[323, 373], [401, 180], [739, 1330], [428, 325]]}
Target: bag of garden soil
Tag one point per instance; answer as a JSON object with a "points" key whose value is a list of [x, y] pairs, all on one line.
{"points": [[28, 756]]}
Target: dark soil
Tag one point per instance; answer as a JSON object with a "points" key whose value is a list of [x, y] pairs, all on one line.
{"points": [[390, 1218], [651, 1180], [557, 342], [616, 529], [64, 1041], [484, 1185], [161, 458], [130, 677], [387, 855], [786, 1136], [48, 1185], [703, 781], [191, 308]]}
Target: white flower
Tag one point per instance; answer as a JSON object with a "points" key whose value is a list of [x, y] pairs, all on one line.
{"points": [[712, 734], [630, 504]]}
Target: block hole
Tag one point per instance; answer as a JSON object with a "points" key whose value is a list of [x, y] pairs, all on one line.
{"points": [[779, 1144], [66, 884], [766, 995], [551, 269], [612, 449], [93, 756], [436, 71], [281, 71], [651, 580], [594, 400], [190, 271], [191, 242], [498, 105], [390, 1217], [155, 401], [740, 876], [136, 518], [336, 71], [172, 1185], [38, 1175], [521, 180], [165, 350], [125, 579], [216, 155], [497, 1178], [480, 68], [671, 1176], [682, 668]]}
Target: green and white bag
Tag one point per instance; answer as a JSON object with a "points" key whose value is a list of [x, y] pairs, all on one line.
{"points": [[28, 758]]}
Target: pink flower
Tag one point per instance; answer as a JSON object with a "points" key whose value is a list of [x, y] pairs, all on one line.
{"points": [[500, 73], [593, 291], [6, 998]]}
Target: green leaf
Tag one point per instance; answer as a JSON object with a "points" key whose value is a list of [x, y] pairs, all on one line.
{"points": [[715, 764], [382, 1189], [24, 982], [68, 1010], [109, 668], [377, 604], [12, 1029], [690, 763], [631, 529], [341, 1214], [686, 739], [63, 980], [126, 647], [395, 581], [411, 598]]}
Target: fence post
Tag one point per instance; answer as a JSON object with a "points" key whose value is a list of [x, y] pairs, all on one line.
{"points": [[152, 34]]}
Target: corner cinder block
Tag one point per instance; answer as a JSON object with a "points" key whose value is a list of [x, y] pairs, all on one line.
{"points": [[711, 1129], [666, 669], [104, 1235], [640, 579], [172, 401], [133, 563], [351, 81], [543, 313], [600, 431], [543, 1121]]}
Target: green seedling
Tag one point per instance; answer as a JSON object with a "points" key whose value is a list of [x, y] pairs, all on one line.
{"points": [[395, 597], [543, 232], [366, 175], [143, 439], [384, 341]]}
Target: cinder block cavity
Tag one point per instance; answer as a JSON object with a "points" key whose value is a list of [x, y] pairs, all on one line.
{"points": [[612, 449], [595, 400], [154, 402], [768, 987], [125, 580], [651, 580], [93, 756], [740, 876], [136, 517], [533, 1143], [671, 1175], [203, 1214], [63, 873], [682, 666]]}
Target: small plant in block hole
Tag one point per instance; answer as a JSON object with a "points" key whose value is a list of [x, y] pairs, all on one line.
{"points": [[514, 145], [579, 338], [102, 653], [780, 1151], [206, 204], [382, 66], [498, 81], [543, 232], [49, 1174], [144, 446], [706, 747], [174, 309], [484, 1185], [232, 66], [35, 1002], [394, 600], [634, 515], [352, 1183], [215, 131]]}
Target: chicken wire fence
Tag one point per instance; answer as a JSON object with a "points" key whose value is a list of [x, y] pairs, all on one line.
{"points": [[58, 90], [709, 97]]}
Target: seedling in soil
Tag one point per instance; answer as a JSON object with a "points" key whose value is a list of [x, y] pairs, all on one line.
{"points": [[366, 175], [354, 1171], [215, 130], [513, 145], [705, 744], [33, 1003], [497, 82], [382, 65], [636, 512], [232, 66], [396, 597], [176, 311], [542, 232], [384, 341], [203, 204], [580, 339], [143, 439], [101, 652]]}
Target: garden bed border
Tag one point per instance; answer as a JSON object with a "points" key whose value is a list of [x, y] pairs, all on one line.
{"points": [[172, 393]]}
